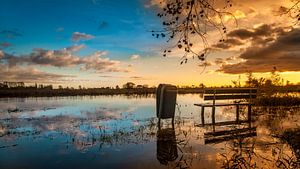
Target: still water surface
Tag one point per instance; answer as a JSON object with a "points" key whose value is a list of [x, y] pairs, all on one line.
{"points": [[121, 132]]}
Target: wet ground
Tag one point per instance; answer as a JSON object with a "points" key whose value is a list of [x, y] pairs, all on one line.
{"points": [[121, 132]]}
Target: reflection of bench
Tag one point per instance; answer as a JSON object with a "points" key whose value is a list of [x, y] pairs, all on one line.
{"points": [[228, 94], [220, 136]]}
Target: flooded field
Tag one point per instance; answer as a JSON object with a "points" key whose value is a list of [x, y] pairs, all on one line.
{"points": [[122, 132]]}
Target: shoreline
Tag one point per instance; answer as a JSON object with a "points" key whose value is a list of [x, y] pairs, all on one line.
{"points": [[4, 93]]}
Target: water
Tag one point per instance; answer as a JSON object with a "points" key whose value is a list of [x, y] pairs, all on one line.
{"points": [[121, 132]]}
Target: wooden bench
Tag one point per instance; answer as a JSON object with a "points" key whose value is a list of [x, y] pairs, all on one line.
{"points": [[245, 94]]}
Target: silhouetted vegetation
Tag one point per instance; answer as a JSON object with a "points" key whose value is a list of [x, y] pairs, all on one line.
{"points": [[292, 137]]}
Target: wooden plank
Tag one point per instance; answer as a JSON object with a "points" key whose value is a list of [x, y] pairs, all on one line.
{"points": [[197, 104], [222, 104], [230, 90], [228, 97]]}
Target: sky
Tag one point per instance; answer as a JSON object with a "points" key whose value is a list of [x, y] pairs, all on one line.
{"points": [[97, 43]]}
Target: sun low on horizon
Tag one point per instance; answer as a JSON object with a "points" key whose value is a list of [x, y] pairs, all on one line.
{"points": [[98, 43]]}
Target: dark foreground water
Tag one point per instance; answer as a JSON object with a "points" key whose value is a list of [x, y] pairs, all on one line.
{"points": [[121, 132]]}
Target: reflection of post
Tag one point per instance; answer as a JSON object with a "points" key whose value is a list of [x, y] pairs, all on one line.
{"points": [[249, 115], [165, 102], [202, 115], [237, 113], [249, 112], [213, 115], [166, 146]]}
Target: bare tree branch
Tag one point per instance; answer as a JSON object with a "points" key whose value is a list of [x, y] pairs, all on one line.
{"points": [[187, 21], [293, 11]]}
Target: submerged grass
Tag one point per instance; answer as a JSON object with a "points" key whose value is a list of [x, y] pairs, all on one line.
{"points": [[278, 101], [292, 137]]}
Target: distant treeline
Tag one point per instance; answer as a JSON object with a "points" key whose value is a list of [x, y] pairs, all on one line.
{"points": [[49, 91], [28, 92], [42, 92]]}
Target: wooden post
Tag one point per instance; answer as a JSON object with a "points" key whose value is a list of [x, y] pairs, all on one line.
{"points": [[173, 122], [158, 123], [202, 115], [237, 113], [173, 125], [214, 109]]}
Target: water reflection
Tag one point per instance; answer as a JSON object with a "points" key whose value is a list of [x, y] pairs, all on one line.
{"points": [[271, 148], [227, 135], [249, 153], [120, 132]]}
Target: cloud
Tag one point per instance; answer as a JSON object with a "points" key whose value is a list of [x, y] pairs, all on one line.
{"points": [[206, 63], [102, 25], [108, 76], [65, 58], [57, 58], [151, 3], [125, 77], [220, 61], [99, 64], [232, 58], [28, 75], [262, 34], [4, 45], [96, 2], [228, 43], [135, 57], [1, 54], [237, 15], [60, 29], [136, 77], [264, 30], [77, 36], [283, 53], [10, 33], [75, 48]]}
